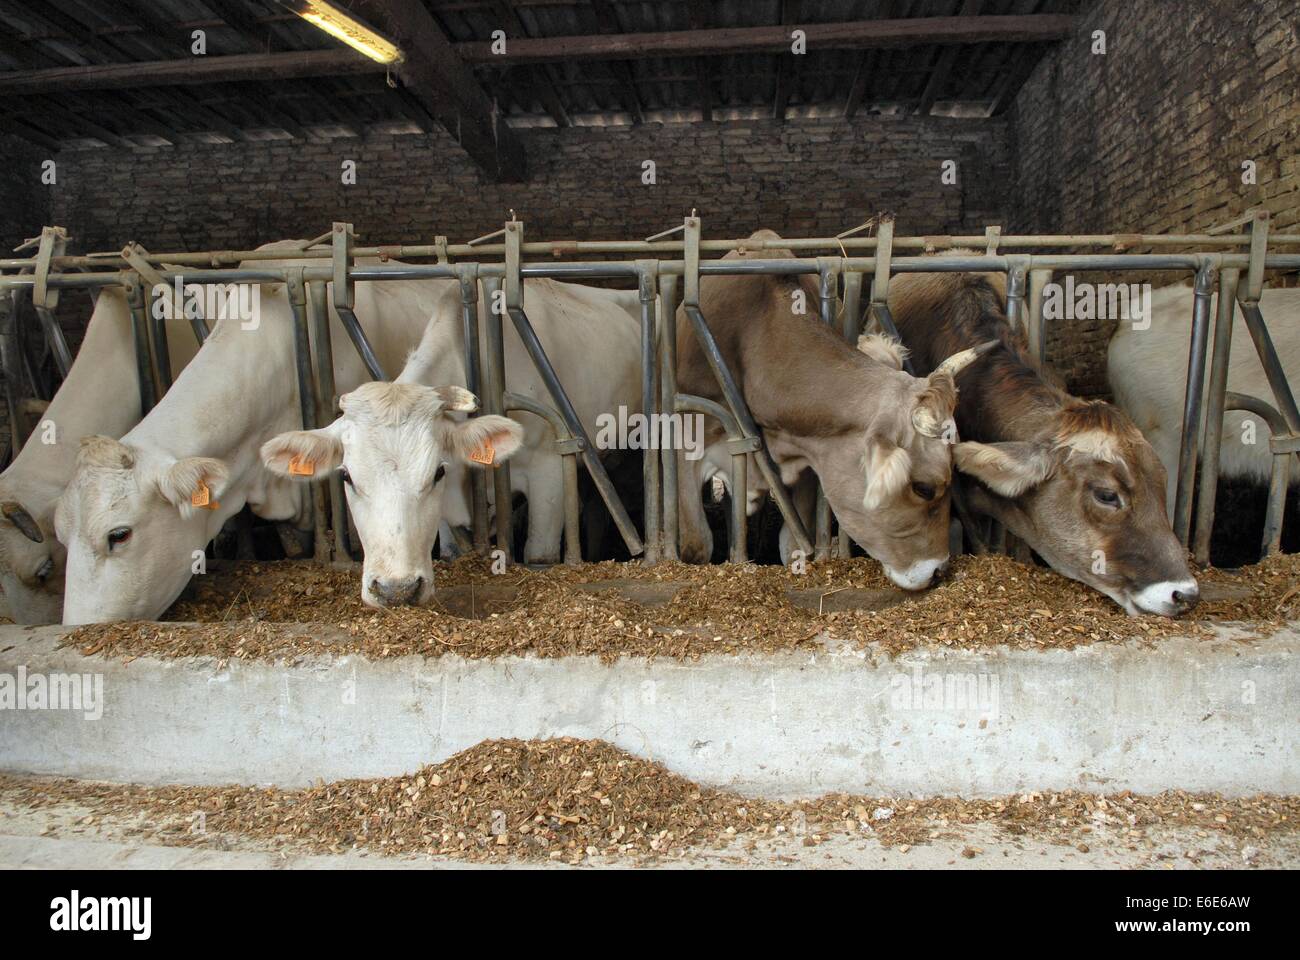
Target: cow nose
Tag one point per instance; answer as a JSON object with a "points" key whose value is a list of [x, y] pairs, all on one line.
{"points": [[397, 592], [941, 573], [1186, 598]]}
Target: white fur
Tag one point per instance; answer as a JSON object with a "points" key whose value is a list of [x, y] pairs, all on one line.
{"points": [[1158, 598], [1148, 374], [919, 575]]}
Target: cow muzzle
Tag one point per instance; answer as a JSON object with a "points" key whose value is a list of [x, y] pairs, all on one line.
{"points": [[919, 576], [397, 591], [1168, 598]]}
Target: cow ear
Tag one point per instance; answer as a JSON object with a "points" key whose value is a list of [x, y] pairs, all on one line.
{"points": [[191, 480], [305, 454], [485, 440], [17, 514], [1008, 469], [932, 413], [889, 468]]}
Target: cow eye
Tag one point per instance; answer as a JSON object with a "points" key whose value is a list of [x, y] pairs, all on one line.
{"points": [[1107, 498], [118, 536], [440, 473], [347, 477], [923, 490]]}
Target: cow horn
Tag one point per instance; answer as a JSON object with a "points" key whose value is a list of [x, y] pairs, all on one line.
{"points": [[961, 360], [17, 514]]}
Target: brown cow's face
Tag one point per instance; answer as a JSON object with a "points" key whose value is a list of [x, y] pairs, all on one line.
{"points": [[890, 485], [1091, 502]]}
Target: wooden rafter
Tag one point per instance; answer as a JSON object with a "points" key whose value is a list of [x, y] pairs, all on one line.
{"points": [[541, 76], [943, 66], [607, 19], [787, 65]]}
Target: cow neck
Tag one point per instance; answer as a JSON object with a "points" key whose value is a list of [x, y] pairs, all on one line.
{"points": [[1001, 397]]}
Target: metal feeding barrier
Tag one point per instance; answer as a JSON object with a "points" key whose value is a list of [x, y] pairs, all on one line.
{"points": [[325, 275]]}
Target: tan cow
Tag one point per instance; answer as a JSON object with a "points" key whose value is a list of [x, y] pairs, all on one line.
{"points": [[1074, 479], [879, 440]]}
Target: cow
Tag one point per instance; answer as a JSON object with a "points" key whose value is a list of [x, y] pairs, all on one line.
{"points": [[1073, 479], [1147, 368], [101, 394], [879, 440], [402, 451], [137, 512]]}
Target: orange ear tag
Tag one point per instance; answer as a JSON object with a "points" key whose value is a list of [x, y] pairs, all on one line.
{"points": [[300, 467], [484, 454], [202, 497]]}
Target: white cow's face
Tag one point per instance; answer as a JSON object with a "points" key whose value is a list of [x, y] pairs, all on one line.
{"points": [[393, 445], [31, 565], [131, 529]]}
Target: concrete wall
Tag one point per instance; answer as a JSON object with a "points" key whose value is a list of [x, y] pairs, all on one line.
{"points": [[1151, 137]]}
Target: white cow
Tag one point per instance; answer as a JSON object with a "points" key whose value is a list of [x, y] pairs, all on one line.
{"points": [[1148, 375], [403, 453], [133, 517], [100, 395]]}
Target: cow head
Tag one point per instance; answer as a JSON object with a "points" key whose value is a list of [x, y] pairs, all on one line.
{"points": [[890, 484], [131, 527], [1089, 497], [31, 564], [394, 445]]}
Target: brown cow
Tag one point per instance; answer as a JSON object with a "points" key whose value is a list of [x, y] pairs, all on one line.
{"points": [[1075, 480], [879, 439]]}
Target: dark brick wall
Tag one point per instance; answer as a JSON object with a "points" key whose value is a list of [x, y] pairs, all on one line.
{"points": [[1150, 137], [802, 178], [24, 200]]}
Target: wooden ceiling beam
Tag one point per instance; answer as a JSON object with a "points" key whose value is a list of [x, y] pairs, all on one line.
{"points": [[855, 35]]}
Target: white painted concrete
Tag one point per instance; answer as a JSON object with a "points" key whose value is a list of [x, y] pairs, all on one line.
{"points": [[1209, 714]]}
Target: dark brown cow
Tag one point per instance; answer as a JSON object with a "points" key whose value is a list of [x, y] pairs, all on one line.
{"points": [[879, 439], [1075, 480]]}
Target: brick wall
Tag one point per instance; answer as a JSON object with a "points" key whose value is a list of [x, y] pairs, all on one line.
{"points": [[1151, 137], [24, 200], [804, 178]]}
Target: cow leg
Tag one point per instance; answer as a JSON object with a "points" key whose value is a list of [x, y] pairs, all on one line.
{"points": [[804, 495], [545, 491], [695, 539]]}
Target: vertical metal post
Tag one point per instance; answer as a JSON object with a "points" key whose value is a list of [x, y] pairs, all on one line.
{"points": [[467, 274], [326, 408], [1038, 281], [1210, 451], [140, 334], [668, 396], [308, 400], [828, 271], [1273, 371], [341, 260], [880, 284], [1202, 291], [161, 350], [851, 325], [493, 380], [45, 299], [647, 282], [1016, 288]]}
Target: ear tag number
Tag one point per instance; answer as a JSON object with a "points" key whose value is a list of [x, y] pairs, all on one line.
{"points": [[301, 467], [202, 497], [484, 454]]}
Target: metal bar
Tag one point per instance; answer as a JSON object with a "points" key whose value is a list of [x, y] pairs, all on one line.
{"points": [[1280, 478], [1273, 371], [468, 277], [668, 394], [828, 271], [1038, 281], [568, 449], [54, 336], [493, 379], [1210, 449], [741, 446], [140, 333], [308, 402], [1195, 393], [851, 326], [647, 283], [1017, 277], [344, 299], [317, 300], [161, 349], [736, 402], [604, 486]]}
